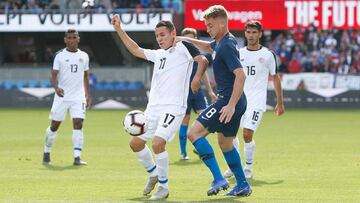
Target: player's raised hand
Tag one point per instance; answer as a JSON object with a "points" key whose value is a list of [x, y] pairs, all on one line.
{"points": [[226, 113], [279, 109], [59, 92], [115, 21]]}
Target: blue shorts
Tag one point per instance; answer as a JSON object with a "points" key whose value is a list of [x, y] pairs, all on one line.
{"points": [[196, 101], [209, 118]]}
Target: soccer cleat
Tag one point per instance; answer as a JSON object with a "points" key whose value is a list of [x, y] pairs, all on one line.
{"points": [[79, 162], [248, 173], [160, 194], [228, 173], [218, 185], [242, 192], [150, 184], [184, 157], [46, 158]]}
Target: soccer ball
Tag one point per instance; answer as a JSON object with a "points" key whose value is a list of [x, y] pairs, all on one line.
{"points": [[135, 123]]}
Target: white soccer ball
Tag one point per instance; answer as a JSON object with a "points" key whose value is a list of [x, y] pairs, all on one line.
{"points": [[135, 123]]}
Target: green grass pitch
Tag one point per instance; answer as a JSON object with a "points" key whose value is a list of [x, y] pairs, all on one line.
{"points": [[303, 156]]}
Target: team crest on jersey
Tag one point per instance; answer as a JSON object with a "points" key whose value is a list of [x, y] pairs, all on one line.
{"points": [[81, 60], [261, 60]]}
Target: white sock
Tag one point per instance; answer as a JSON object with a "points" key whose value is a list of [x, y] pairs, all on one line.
{"points": [[162, 161], [49, 139], [249, 150], [78, 142], [145, 158], [236, 144]]}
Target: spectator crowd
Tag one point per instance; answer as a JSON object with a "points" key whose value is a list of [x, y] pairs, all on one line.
{"points": [[314, 50]]}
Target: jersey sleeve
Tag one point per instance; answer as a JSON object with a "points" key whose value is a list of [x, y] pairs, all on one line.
{"points": [[272, 64], [230, 55], [192, 51], [150, 54], [56, 63]]}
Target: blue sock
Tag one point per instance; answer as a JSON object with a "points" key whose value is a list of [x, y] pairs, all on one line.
{"points": [[232, 158], [206, 154], [183, 138]]}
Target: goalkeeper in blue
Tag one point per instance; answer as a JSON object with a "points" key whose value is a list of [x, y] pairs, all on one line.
{"points": [[224, 115]]}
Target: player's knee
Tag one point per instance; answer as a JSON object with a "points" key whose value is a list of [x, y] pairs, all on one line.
{"points": [[54, 126], [78, 124], [248, 136], [158, 146], [135, 145], [225, 144]]}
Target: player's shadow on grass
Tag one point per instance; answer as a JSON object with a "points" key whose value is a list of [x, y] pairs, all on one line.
{"points": [[146, 199], [224, 199], [61, 168], [255, 182], [186, 162]]}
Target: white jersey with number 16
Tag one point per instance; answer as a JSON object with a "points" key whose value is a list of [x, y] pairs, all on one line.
{"points": [[257, 65]]}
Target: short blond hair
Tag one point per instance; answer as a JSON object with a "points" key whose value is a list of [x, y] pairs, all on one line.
{"points": [[189, 30], [215, 11]]}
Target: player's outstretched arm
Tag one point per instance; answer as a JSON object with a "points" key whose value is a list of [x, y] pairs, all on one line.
{"points": [[202, 65], [54, 83], [279, 108], [211, 92], [228, 111], [200, 44], [87, 89], [130, 44]]}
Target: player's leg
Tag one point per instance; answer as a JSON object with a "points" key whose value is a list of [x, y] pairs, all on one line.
{"points": [[78, 141], [208, 119], [199, 105], [169, 122], [183, 136], [249, 151], [57, 115], [145, 158], [162, 162], [232, 158], [50, 136], [250, 124], [78, 112]]}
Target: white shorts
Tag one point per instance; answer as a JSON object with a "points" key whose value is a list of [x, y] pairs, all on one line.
{"points": [[163, 121], [251, 119], [59, 109]]}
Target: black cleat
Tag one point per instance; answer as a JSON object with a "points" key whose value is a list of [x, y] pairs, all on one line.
{"points": [[79, 162], [46, 158]]}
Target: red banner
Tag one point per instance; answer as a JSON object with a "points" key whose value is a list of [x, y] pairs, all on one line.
{"points": [[279, 14]]}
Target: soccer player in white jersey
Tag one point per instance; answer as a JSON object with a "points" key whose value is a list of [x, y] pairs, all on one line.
{"points": [[69, 77], [167, 100], [258, 62]]}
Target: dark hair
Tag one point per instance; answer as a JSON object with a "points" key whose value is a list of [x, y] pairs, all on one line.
{"points": [[253, 24], [189, 30], [166, 23], [215, 11], [71, 31]]}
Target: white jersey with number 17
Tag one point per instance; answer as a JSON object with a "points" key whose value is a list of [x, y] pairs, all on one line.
{"points": [[171, 74], [257, 65]]}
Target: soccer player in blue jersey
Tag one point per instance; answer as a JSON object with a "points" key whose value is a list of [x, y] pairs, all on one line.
{"points": [[196, 101], [225, 114]]}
